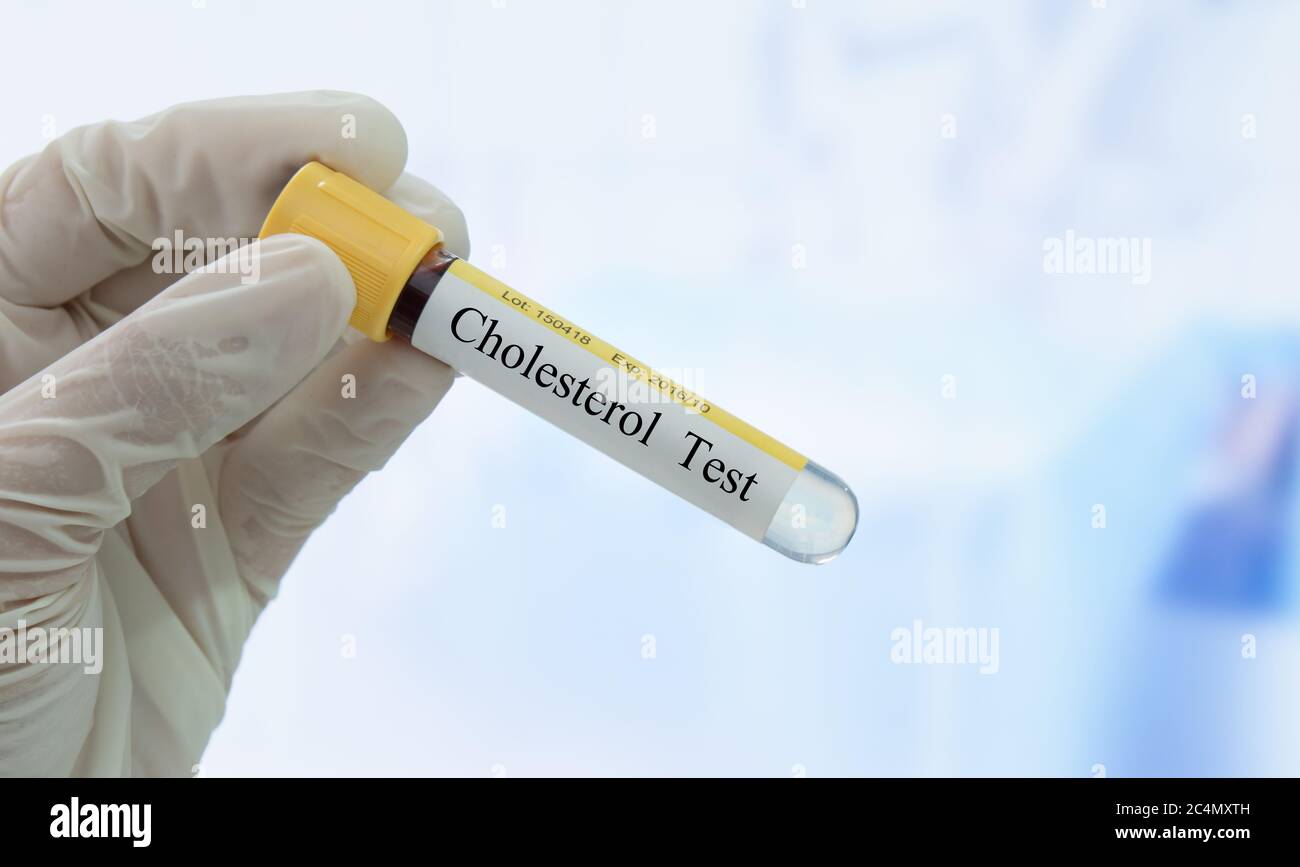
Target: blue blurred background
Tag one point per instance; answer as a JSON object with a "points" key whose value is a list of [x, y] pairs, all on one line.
{"points": [[835, 213]]}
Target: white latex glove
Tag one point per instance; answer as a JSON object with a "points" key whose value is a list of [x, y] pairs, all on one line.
{"points": [[155, 387]]}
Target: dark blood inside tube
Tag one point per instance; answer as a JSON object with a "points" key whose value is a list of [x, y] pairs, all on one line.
{"points": [[416, 292]]}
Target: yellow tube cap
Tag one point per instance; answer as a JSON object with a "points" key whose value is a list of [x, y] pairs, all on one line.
{"points": [[378, 242]]}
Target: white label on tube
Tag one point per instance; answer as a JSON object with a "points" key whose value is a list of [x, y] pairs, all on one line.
{"points": [[546, 364]]}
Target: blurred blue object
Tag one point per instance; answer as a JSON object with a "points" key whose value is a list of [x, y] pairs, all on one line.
{"points": [[1232, 552]]}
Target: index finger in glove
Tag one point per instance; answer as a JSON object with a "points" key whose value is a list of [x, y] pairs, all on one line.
{"points": [[95, 200]]}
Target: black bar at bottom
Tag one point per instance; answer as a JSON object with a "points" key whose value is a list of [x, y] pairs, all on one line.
{"points": [[213, 816]]}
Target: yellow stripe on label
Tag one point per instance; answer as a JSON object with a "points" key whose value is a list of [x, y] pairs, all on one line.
{"points": [[611, 355]]}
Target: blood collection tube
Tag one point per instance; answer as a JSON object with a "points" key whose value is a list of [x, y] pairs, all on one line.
{"points": [[409, 286]]}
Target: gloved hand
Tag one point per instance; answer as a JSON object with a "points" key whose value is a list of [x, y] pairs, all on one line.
{"points": [[127, 403]]}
